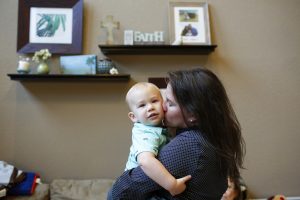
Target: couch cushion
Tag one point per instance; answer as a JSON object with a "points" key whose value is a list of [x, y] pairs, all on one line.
{"points": [[65, 189]]}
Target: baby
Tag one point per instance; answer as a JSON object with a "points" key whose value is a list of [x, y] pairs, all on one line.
{"points": [[146, 111]]}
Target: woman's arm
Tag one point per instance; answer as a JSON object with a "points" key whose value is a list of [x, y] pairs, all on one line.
{"points": [[157, 172]]}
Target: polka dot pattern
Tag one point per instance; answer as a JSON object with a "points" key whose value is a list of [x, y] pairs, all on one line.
{"points": [[188, 153]]}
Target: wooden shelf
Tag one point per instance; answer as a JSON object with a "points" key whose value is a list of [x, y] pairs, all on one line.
{"points": [[157, 49], [69, 77]]}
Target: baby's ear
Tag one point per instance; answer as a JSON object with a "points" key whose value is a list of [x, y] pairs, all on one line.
{"points": [[132, 117]]}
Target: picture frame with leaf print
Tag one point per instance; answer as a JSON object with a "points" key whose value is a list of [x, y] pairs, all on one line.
{"points": [[189, 23], [55, 25]]}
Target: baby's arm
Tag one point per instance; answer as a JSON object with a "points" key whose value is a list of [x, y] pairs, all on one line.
{"points": [[157, 172]]}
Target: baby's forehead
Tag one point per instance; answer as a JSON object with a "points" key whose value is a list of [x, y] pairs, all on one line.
{"points": [[146, 93], [144, 85], [144, 88]]}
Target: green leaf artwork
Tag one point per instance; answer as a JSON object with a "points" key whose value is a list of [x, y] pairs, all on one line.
{"points": [[48, 24]]}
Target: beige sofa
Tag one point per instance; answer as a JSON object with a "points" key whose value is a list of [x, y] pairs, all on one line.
{"points": [[70, 190]]}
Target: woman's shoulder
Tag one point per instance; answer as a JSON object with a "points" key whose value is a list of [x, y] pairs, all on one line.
{"points": [[194, 141], [190, 134], [186, 145], [192, 137], [188, 138]]}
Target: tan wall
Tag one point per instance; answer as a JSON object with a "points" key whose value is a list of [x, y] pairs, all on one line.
{"points": [[80, 130]]}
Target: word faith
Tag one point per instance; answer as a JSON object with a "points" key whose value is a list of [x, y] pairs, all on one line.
{"points": [[156, 37]]}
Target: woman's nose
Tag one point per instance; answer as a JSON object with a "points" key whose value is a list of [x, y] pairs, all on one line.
{"points": [[164, 106]]}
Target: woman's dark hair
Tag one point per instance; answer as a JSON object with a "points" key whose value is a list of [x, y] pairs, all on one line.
{"points": [[200, 93]]}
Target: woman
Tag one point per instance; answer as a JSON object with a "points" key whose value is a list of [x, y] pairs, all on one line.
{"points": [[208, 144]]}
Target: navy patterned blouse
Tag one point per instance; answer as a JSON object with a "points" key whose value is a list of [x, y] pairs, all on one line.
{"points": [[188, 153]]}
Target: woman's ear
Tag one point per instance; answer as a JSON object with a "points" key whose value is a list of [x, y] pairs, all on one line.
{"points": [[192, 121], [132, 117]]}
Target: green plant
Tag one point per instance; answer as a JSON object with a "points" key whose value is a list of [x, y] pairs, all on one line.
{"points": [[41, 55]]}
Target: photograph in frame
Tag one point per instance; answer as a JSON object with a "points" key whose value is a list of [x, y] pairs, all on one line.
{"points": [[78, 64], [189, 23], [54, 25], [50, 25]]}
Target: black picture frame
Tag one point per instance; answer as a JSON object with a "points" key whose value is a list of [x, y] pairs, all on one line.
{"points": [[23, 43]]}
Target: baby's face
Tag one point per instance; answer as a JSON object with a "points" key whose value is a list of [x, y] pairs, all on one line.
{"points": [[146, 105]]}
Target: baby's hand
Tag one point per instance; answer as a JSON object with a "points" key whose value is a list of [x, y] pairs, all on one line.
{"points": [[180, 185]]}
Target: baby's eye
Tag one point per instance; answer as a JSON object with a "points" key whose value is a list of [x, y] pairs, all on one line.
{"points": [[154, 101], [141, 105]]}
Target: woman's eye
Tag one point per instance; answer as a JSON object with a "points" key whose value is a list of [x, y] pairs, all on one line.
{"points": [[141, 105], [170, 104], [154, 101]]}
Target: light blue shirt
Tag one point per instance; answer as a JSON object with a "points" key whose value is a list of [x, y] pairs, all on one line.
{"points": [[145, 139]]}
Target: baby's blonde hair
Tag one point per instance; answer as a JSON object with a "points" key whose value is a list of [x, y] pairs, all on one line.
{"points": [[138, 86]]}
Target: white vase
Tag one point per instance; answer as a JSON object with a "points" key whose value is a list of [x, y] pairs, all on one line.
{"points": [[43, 68]]}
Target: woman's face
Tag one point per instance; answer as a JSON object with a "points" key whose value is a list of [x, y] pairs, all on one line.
{"points": [[173, 114]]}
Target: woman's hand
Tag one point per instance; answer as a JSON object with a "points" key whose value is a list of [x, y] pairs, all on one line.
{"points": [[179, 185], [231, 193]]}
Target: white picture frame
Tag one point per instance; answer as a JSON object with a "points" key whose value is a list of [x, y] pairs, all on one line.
{"points": [[189, 23], [128, 37]]}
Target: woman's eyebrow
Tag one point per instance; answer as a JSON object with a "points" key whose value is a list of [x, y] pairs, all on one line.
{"points": [[168, 100]]}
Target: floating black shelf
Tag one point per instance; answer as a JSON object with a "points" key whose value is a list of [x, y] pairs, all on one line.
{"points": [[69, 77], [157, 49]]}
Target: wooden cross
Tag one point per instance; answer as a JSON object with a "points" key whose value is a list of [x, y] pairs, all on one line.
{"points": [[110, 24]]}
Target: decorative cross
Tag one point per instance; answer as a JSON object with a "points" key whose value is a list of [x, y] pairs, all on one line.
{"points": [[110, 24]]}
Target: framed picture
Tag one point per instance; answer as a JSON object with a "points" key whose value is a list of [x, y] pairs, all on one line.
{"points": [[79, 64], [189, 23], [55, 25]]}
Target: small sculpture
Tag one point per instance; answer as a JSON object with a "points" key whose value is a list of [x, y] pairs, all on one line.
{"points": [[113, 71], [110, 24], [104, 65]]}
